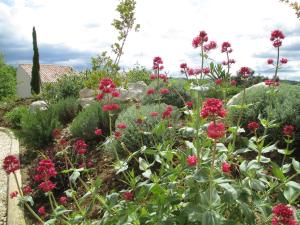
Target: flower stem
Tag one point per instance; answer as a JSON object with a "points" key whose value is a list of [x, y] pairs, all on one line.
{"points": [[277, 65]]}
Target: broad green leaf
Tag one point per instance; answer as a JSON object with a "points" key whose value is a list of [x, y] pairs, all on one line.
{"points": [[74, 176], [50, 222], [277, 172], [269, 148], [296, 165], [120, 166], [292, 191], [143, 165], [229, 189], [147, 174], [286, 168]]}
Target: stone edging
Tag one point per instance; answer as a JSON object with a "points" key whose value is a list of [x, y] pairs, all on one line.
{"points": [[15, 215]]}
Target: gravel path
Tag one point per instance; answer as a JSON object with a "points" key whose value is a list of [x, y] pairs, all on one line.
{"points": [[5, 145]]}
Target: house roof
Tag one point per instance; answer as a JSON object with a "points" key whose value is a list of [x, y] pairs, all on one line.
{"points": [[48, 73]]}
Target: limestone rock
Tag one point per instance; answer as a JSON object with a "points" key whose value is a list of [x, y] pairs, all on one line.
{"points": [[40, 105]]}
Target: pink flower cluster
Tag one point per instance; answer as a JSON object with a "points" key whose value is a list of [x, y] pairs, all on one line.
{"points": [[271, 83], [213, 107], [192, 160], [11, 164], [168, 112], [245, 72], [45, 170], [276, 37], [215, 130], [200, 39], [210, 46], [159, 76], [80, 147], [226, 47], [107, 87], [253, 126], [283, 215], [158, 63], [289, 130]]}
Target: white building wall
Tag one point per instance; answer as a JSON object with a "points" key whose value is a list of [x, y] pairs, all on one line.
{"points": [[23, 84]]}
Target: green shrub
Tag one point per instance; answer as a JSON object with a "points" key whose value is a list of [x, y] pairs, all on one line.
{"points": [[138, 73], [93, 78], [151, 131], [66, 109], [14, 116], [66, 86], [175, 97], [284, 108], [7, 79], [37, 127]]}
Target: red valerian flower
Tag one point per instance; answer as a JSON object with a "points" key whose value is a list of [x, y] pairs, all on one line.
{"points": [[122, 126], [157, 63], [47, 186], [213, 107], [63, 200], [218, 81], [206, 70], [13, 194], [90, 163], [153, 114], [153, 76], [229, 62], [128, 196], [245, 72], [80, 147], [253, 126], [56, 133], [276, 37], [183, 66], [45, 170], [283, 60], [110, 107], [211, 45], [27, 189], [116, 94], [150, 91], [164, 91], [98, 132], [99, 97], [226, 47], [117, 134], [288, 130], [200, 39], [107, 85], [42, 211], [283, 215], [11, 164], [168, 112], [189, 104], [216, 130], [163, 77], [233, 83], [63, 142], [270, 61], [225, 167], [192, 160]]}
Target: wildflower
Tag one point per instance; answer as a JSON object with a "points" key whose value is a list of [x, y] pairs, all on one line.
{"points": [[153, 114], [200, 39], [63, 142], [163, 77], [150, 91], [289, 130], [276, 37], [153, 76], [13, 194], [98, 132], [270, 61], [128, 196], [157, 63], [230, 61], [63, 200], [164, 91], [218, 81], [27, 189], [225, 167], [196, 42], [226, 47], [121, 126], [206, 70], [99, 97], [192, 160], [233, 83], [80, 147], [168, 112], [90, 163], [107, 85], [189, 104], [283, 60], [42, 211], [211, 45], [11, 164], [117, 134], [116, 94], [245, 72], [283, 215], [183, 66], [213, 107], [253, 126], [110, 107], [56, 133], [45, 170], [215, 130], [47, 186]]}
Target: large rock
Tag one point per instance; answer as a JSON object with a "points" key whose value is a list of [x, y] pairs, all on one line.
{"points": [[87, 93], [84, 102], [40, 105], [136, 90]]}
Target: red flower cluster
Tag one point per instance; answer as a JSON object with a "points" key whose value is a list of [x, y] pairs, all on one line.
{"points": [[189, 104], [121, 126], [216, 130], [80, 147], [98, 132], [168, 112], [218, 81], [276, 37], [213, 107], [45, 171], [159, 76], [233, 82], [226, 47], [13, 194], [245, 72], [206, 70], [157, 63], [42, 211], [11, 164], [150, 91], [283, 215], [225, 167], [288, 130], [229, 62], [270, 61], [128, 196], [200, 39], [164, 91], [56, 133], [253, 126], [63, 200], [183, 66], [110, 107], [192, 160], [154, 114], [283, 60], [211, 45], [27, 190], [271, 83]]}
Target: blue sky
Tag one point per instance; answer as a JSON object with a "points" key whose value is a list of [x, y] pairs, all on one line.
{"points": [[70, 32]]}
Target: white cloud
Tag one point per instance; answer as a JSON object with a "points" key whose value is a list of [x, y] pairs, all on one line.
{"points": [[167, 27]]}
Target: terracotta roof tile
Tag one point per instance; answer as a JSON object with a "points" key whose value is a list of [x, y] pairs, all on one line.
{"points": [[49, 73]]}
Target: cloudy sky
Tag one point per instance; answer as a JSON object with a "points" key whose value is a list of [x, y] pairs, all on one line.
{"points": [[70, 32]]}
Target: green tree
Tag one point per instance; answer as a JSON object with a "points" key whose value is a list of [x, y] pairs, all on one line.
{"points": [[7, 79], [35, 73]]}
